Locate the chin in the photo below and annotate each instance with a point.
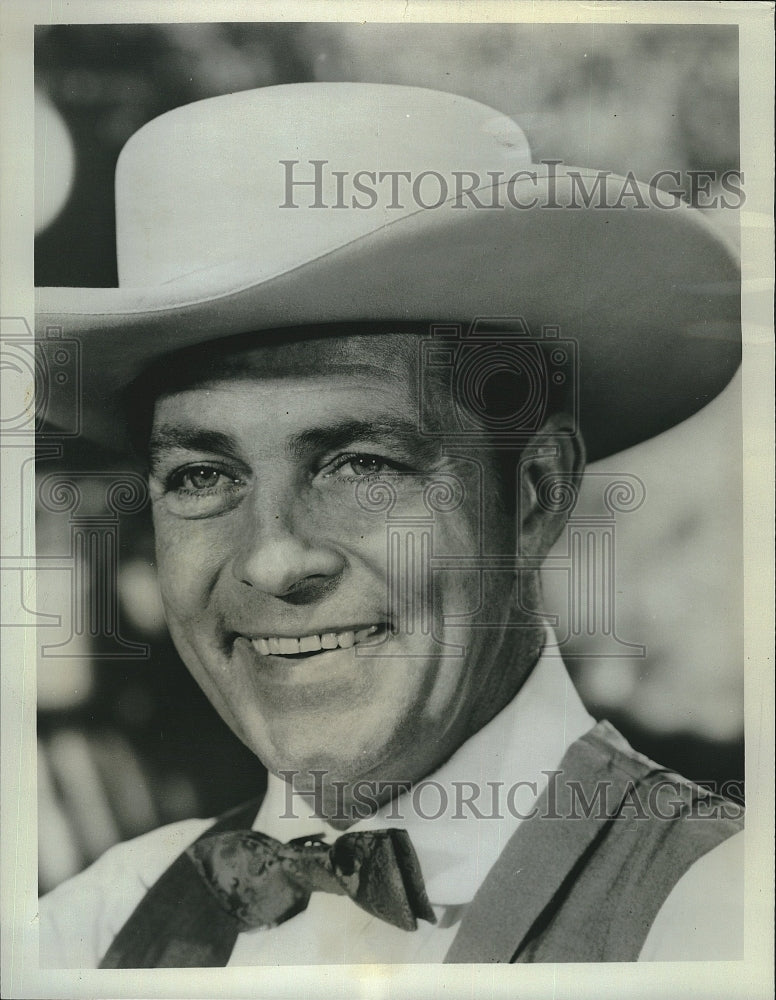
(346, 764)
(345, 760)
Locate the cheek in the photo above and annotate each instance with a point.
(189, 558)
(457, 537)
(368, 524)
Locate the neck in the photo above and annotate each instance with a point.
(519, 651)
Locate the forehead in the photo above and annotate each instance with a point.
(365, 373)
(299, 397)
(328, 360)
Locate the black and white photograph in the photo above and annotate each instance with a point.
(387, 525)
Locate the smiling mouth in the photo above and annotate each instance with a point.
(310, 645)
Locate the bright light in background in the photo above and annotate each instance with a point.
(140, 596)
(54, 162)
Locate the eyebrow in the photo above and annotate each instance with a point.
(329, 438)
(315, 439)
(168, 438)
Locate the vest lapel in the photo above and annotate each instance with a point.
(179, 923)
(540, 856)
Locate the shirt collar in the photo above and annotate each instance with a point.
(501, 770)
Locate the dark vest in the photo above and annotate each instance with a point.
(581, 880)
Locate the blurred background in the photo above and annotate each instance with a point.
(126, 740)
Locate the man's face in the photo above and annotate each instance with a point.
(283, 575)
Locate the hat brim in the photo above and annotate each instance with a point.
(650, 295)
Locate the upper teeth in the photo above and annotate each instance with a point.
(311, 643)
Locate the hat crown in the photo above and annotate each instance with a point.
(285, 174)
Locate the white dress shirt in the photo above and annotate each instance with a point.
(456, 849)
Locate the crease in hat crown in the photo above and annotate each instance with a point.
(206, 183)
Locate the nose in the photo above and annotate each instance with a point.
(278, 556)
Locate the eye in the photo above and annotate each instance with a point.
(201, 478)
(362, 466)
(201, 490)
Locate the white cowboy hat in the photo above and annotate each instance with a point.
(210, 245)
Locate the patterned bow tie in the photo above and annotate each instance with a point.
(263, 882)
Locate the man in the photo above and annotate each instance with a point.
(354, 476)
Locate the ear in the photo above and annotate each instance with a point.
(549, 474)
